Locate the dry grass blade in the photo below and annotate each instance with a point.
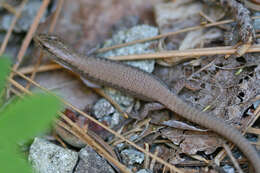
(10, 29)
(51, 29)
(232, 158)
(43, 68)
(8, 7)
(167, 34)
(56, 15)
(147, 158)
(19, 94)
(94, 136)
(211, 20)
(253, 130)
(187, 53)
(30, 33)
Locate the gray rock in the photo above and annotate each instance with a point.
(50, 158)
(29, 12)
(256, 22)
(102, 107)
(228, 169)
(113, 119)
(144, 171)
(131, 156)
(134, 33)
(90, 162)
(104, 111)
(122, 99)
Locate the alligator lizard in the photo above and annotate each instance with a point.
(141, 85)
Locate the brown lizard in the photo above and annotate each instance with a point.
(141, 85)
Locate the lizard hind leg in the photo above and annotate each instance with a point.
(146, 109)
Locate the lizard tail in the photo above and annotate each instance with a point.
(217, 125)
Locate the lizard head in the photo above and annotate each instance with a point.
(56, 48)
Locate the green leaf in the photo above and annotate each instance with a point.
(13, 162)
(20, 120)
(27, 117)
(4, 71)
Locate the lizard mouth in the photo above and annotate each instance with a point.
(45, 40)
(48, 44)
(37, 41)
(40, 43)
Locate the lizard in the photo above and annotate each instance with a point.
(140, 84)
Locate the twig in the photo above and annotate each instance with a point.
(168, 34)
(200, 163)
(16, 92)
(86, 138)
(147, 158)
(189, 53)
(153, 160)
(253, 130)
(8, 7)
(201, 69)
(29, 34)
(127, 135)
(59, 139)
(56, 15)
(51, 29)
(232, 158)
(10, 29)
(252, 5)
(43, 68)
(68, 130)
(211, 20)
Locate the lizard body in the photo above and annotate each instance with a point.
(141, 85)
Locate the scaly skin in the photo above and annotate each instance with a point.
(142, 85)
